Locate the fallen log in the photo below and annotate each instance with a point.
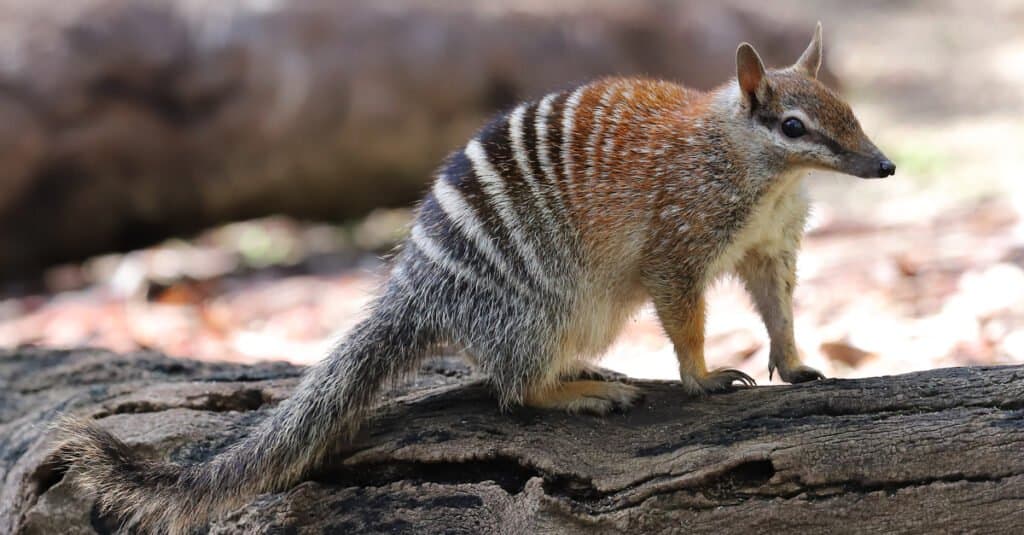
(936, 451)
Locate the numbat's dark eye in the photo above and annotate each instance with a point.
(793, 127)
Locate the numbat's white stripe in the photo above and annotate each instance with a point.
(436, 253)
(568, 124)
(494, 186)
(543, 150)
(462, 216)
(613, 127)
(515, 129)
(595, 134)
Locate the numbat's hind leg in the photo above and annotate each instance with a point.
(592, 372)
(597, 397)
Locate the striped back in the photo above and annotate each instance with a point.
(509, 209)
(496, 216)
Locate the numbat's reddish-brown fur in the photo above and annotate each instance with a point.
(536, 242)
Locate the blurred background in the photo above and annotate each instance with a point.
(221, 179)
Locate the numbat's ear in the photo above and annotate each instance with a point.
(750, 73)
(810, 60)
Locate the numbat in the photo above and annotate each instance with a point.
(537, 241)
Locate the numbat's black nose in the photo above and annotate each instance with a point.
(886, 168)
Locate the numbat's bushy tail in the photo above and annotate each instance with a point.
(325, 410)
(536, 243)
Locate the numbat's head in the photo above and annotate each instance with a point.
(792, 120)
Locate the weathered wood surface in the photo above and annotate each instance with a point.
(148, 119)
(939, 451)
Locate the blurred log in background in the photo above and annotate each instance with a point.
(126, 122)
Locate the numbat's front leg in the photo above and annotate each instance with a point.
(683, 320)
(770, 279)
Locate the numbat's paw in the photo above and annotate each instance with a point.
(722, 380)
(590, 372)
(800, 374)
(595, 397)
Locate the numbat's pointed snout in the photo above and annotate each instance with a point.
(886, 168)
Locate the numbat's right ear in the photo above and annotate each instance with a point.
(750, 73)
(810, 60)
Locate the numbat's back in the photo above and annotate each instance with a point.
(538, 239)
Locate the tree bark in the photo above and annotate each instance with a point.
(937, 451)
(123, 122)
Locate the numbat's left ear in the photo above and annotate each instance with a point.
(750, 74)
(810, 60)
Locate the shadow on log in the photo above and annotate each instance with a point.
(928, 452)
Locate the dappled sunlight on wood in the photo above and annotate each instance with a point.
(872, 300)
